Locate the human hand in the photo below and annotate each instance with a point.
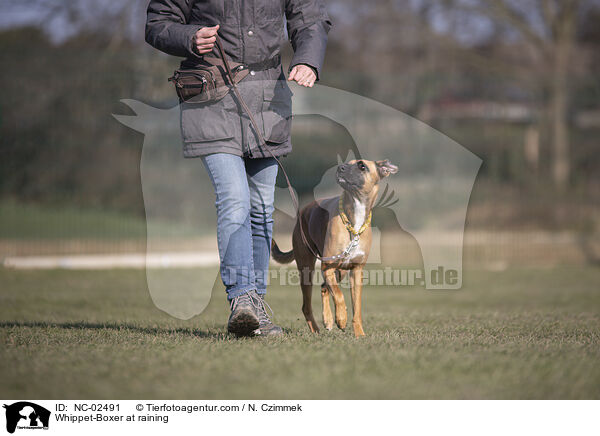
(204, 39)
(304, 75)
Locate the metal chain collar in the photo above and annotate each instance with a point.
(354, 242)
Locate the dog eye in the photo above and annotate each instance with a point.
(362, 166)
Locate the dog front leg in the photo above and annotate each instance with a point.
(356, 285)
(341, 316)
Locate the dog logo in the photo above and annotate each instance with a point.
(427, 198)
(26, 415)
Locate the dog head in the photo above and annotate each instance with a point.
(361, 177)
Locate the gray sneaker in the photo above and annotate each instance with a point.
(244, 319)
(266, 326)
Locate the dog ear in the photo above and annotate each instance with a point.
(385, 168)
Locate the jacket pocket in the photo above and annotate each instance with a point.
(269, 10)
(206, 122)
(277, 113)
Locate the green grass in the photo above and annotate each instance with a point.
(38, 223)
(28, 221)
(523, 334)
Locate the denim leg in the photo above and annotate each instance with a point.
(228, 175)
(262, 174)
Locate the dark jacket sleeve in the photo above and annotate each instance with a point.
(167, 28)
(308, 25)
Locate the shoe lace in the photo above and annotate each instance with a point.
(261, 307)
(242, 298)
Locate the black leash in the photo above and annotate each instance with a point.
(263, 144)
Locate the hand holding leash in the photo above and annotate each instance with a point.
(204, 39)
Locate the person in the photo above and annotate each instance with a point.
(242, 172)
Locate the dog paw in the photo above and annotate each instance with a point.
(313, 327)
(341, 322)
(358, 331)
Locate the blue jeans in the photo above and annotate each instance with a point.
(244, 190)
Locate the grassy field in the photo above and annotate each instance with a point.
(34, 230)
(42, 223)
(523, 333)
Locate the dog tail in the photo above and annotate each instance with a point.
(280, 256)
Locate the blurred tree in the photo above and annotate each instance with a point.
(389, 51)
(64, 76)
(549, 28)
(58, 140)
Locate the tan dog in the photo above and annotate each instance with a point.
(330, 227)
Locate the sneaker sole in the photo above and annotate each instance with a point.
(271, 333)
(243, 324)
